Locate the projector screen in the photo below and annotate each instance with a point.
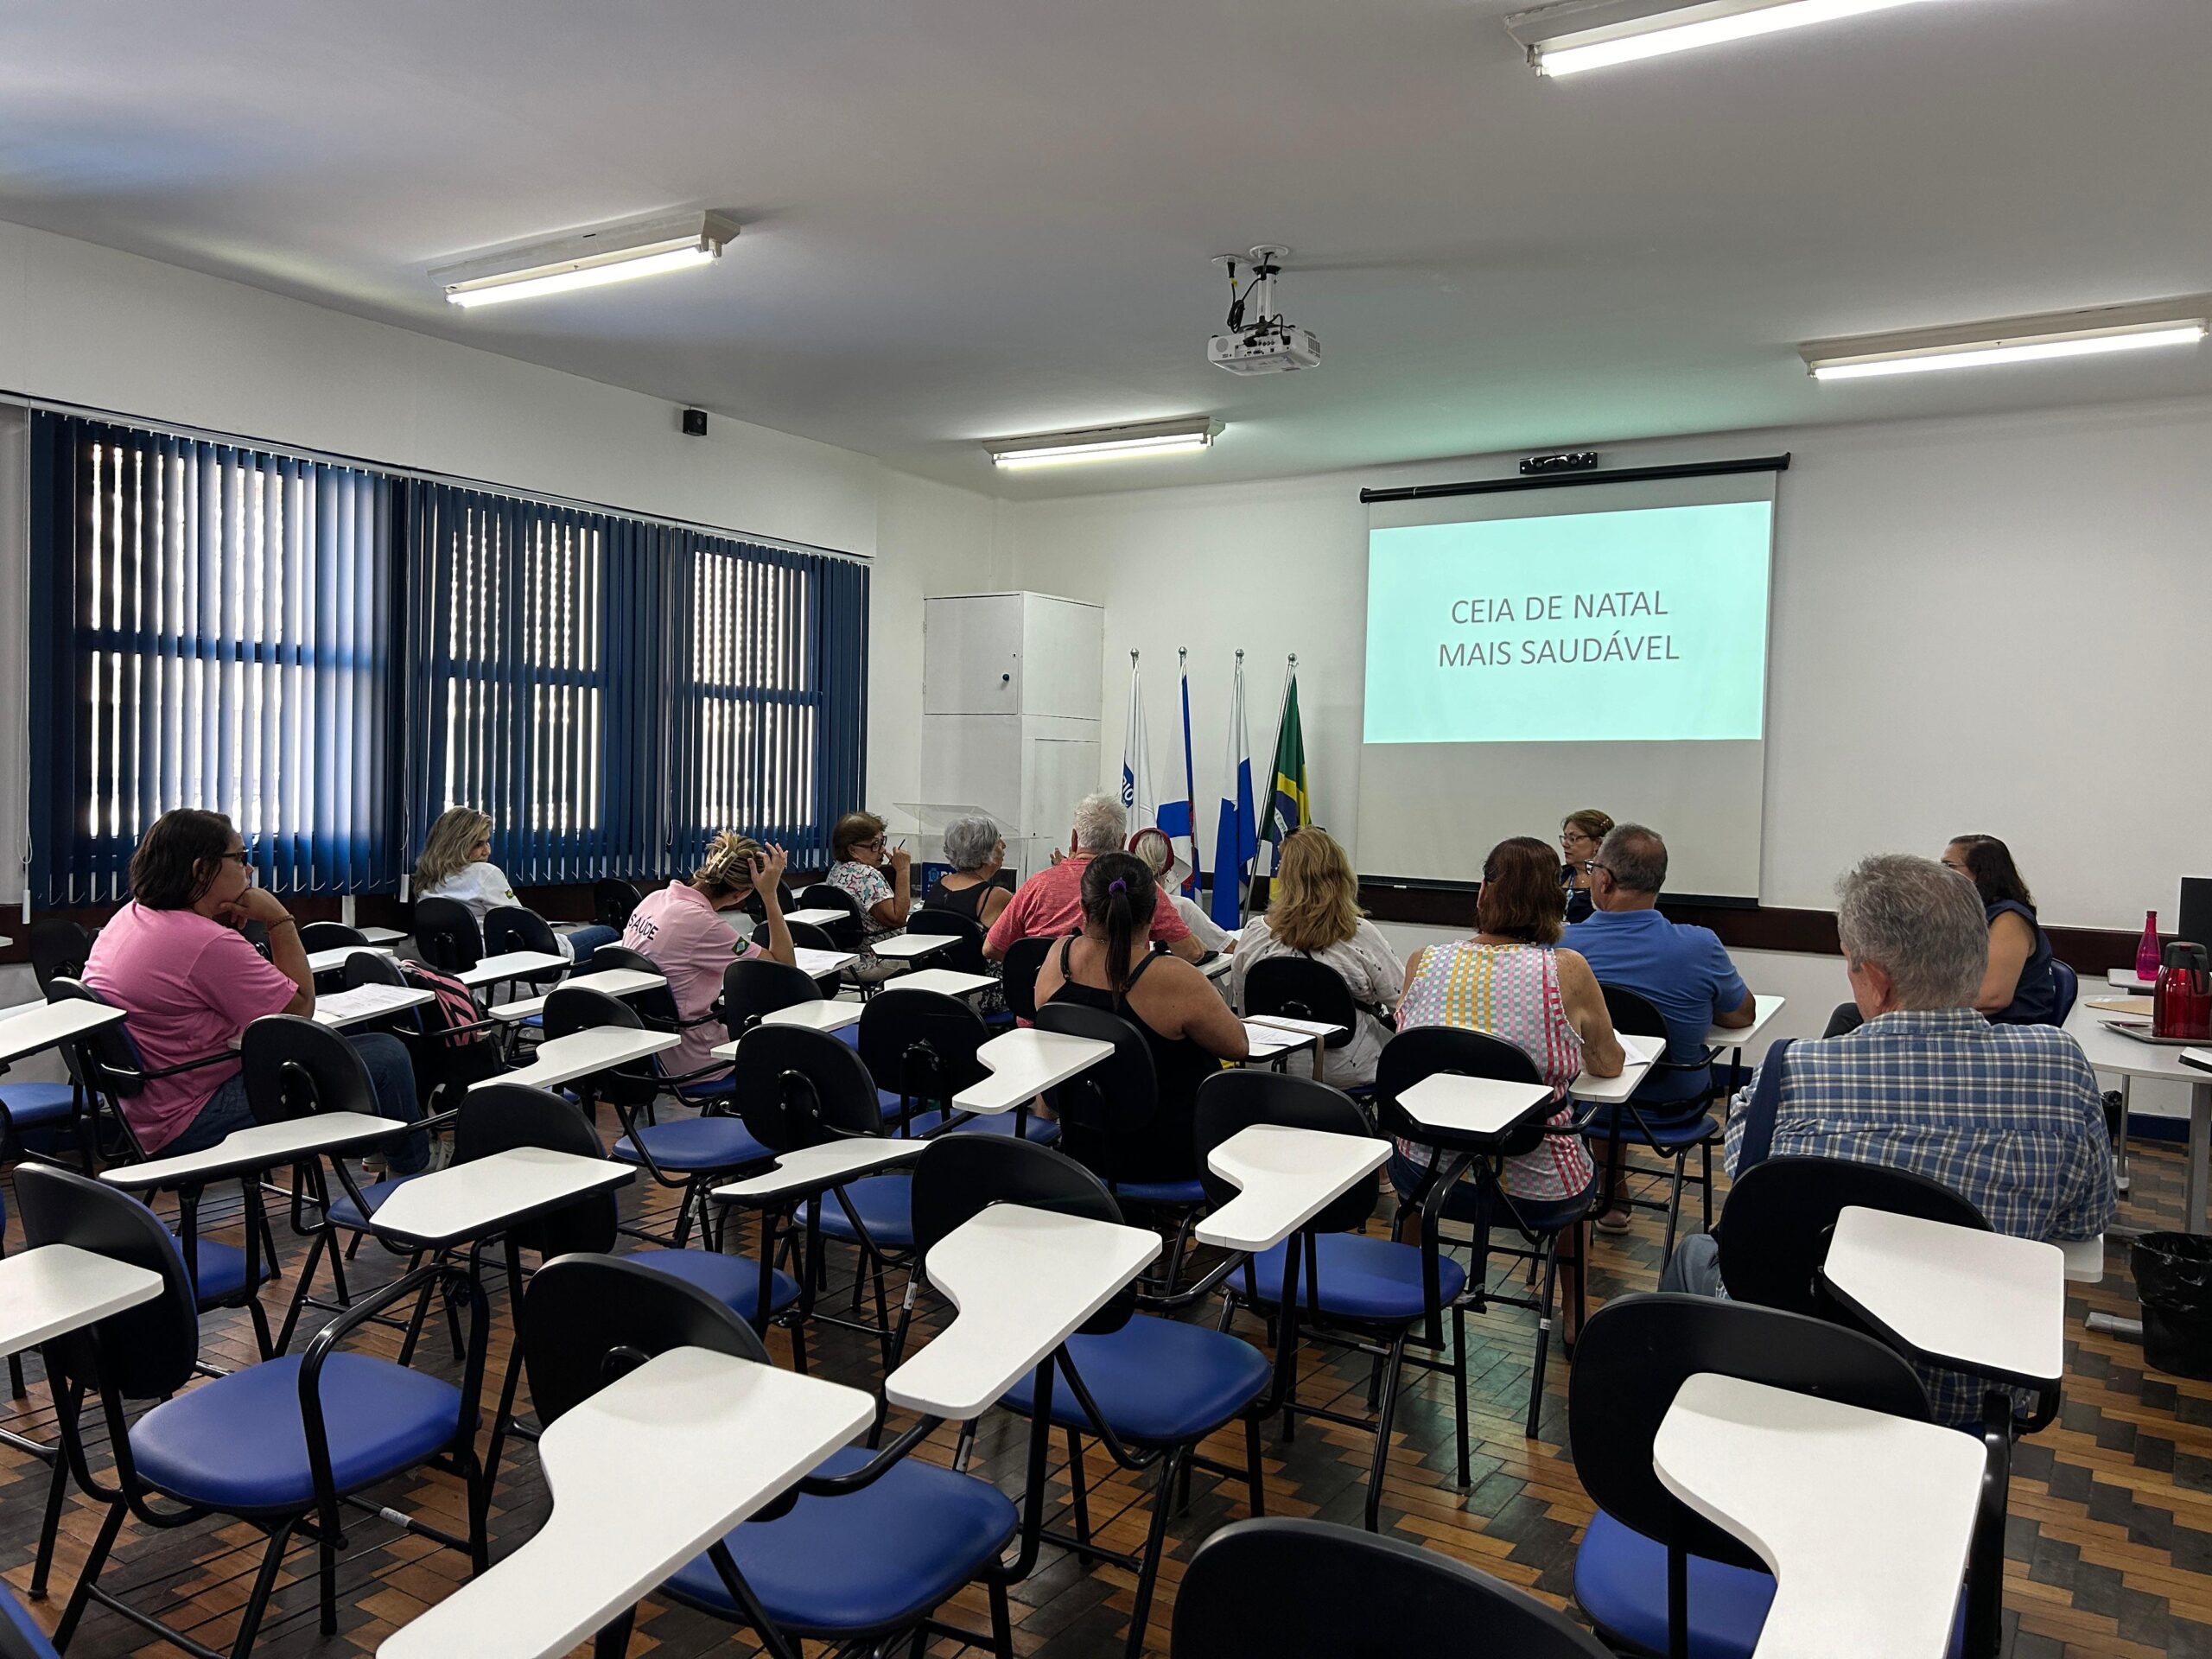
(1532, 654)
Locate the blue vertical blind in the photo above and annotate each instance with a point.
(210, 629)
(334, 657)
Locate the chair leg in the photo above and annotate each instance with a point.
(79, 1598)
(1002, 1622)
(264, 1585)
(965, 1445)
(1078, 1487)
(614, 1638)
(1382, 1459)
(57, 1487)
(1543, 1337)
(1459, 1393)
(327, 1573)
(1674, 1207)
(1155, 1543)
(16, 1386)
(1256, 1475)
(1705, 1186)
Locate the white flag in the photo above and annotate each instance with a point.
(1137, 797)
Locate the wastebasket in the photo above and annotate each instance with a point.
(2173, 1278)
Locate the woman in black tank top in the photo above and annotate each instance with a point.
(976, 852)
(1187, 1028)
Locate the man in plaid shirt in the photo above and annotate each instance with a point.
(2008, 1117)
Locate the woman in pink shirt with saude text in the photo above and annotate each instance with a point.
(175, 960)
(680, 929)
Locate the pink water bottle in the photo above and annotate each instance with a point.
(2147, 956)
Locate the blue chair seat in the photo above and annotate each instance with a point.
(885, 1204)
(222, 1270)
(1158, 1381)
(692, 1143)
(1361, 1278)
(704, 1088)
(1620, 1581)
(1688, 1125)
(237, 1443)
(733, 1281)
(1044, 1131)
(36, 1105)
(346, 1213)
(873, 1559)
(850, 1036)
(1162, 1192)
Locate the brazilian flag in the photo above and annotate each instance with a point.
(1288, 806)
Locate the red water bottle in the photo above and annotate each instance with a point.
(2181, 1004)
(2146, 954)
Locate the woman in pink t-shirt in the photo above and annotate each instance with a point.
(175, 960)
(680, 929)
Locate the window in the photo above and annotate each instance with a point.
(210, 629)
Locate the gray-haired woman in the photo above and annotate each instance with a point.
(976, 852)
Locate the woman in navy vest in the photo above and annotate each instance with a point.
(2019, 988)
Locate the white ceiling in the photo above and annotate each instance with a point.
(970, 219)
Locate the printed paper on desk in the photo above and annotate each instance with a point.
(364, 1002)
(1642, 1049)
(818, 963)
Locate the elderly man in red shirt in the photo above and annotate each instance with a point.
(1050, 903)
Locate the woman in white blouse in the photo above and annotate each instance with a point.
(1314, 911)
(456, 864)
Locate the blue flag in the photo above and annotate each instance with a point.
(1236, 833)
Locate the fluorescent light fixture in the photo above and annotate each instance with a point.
(1564, 40)
(2014, 340)
(1105, 444)
(590, 260)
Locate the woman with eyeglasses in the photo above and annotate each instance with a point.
(860, 844)
(176, 962)
(1579, 834)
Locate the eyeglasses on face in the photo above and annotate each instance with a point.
(238, 858)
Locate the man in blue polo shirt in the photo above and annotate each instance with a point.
(1683, 972)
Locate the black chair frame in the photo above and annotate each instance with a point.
(1630, 1126)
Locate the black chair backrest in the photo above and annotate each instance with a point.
(847, 933)
(593, 1318)
(1638, 1015)
(1302, 989)
(1105, 1111)
(1025, 960)
(962, 1175)
(657, 1007)
(104, 1060)
(143, 1353)
(799, 1088)
(786, 901)
(1260, 1590)
(501, 1116)
(295, 1067)
(447, 935)
(759, 986)
(372, 968)
(58, 950)
(922, 1043)
(965, 958)
(1780, 1214)
(2067, 985)
(1231, 1101)
(612, 901)
(331, 936)
(1423, 1051)
(1634, 1354)
(511, 927)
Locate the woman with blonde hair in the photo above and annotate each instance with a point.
(456, 864)
(1314, 911)
(680, 929)
(1158, 853)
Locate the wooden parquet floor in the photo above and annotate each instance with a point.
(2109, 1551)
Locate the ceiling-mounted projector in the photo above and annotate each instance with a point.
(1266, 345)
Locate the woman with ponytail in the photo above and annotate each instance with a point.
(1111, 966)
(681, 930)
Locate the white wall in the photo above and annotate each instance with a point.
(86, 325)
(1997, 626)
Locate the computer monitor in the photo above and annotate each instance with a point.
(2193, 920)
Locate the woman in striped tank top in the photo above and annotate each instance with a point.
(1512, 981)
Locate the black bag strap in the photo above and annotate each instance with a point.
(1758, 1114)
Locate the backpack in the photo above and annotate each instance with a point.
(453, 1007)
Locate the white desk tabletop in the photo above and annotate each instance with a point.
(1024, 1063)
(1472, 1106)
(2085, 1258)
(330, 961)
(815, 1168)
(643, 1476)
(1613, 1090)
(381, 935)
(1763, 1009)
(2123, 1057)
(1022, 1280)
(904, 947)
(614, 982)
(39, 1026)
(512, 964)
(822, 1015)
(1984, 1301)
(945, 981)
(2126, 979)
(263, 1146)
(560, 1060)
(1285, 1177)
(817, 918)
(1865, 1519)
(472, 1200)
(55, 1288)
(1220, 965)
